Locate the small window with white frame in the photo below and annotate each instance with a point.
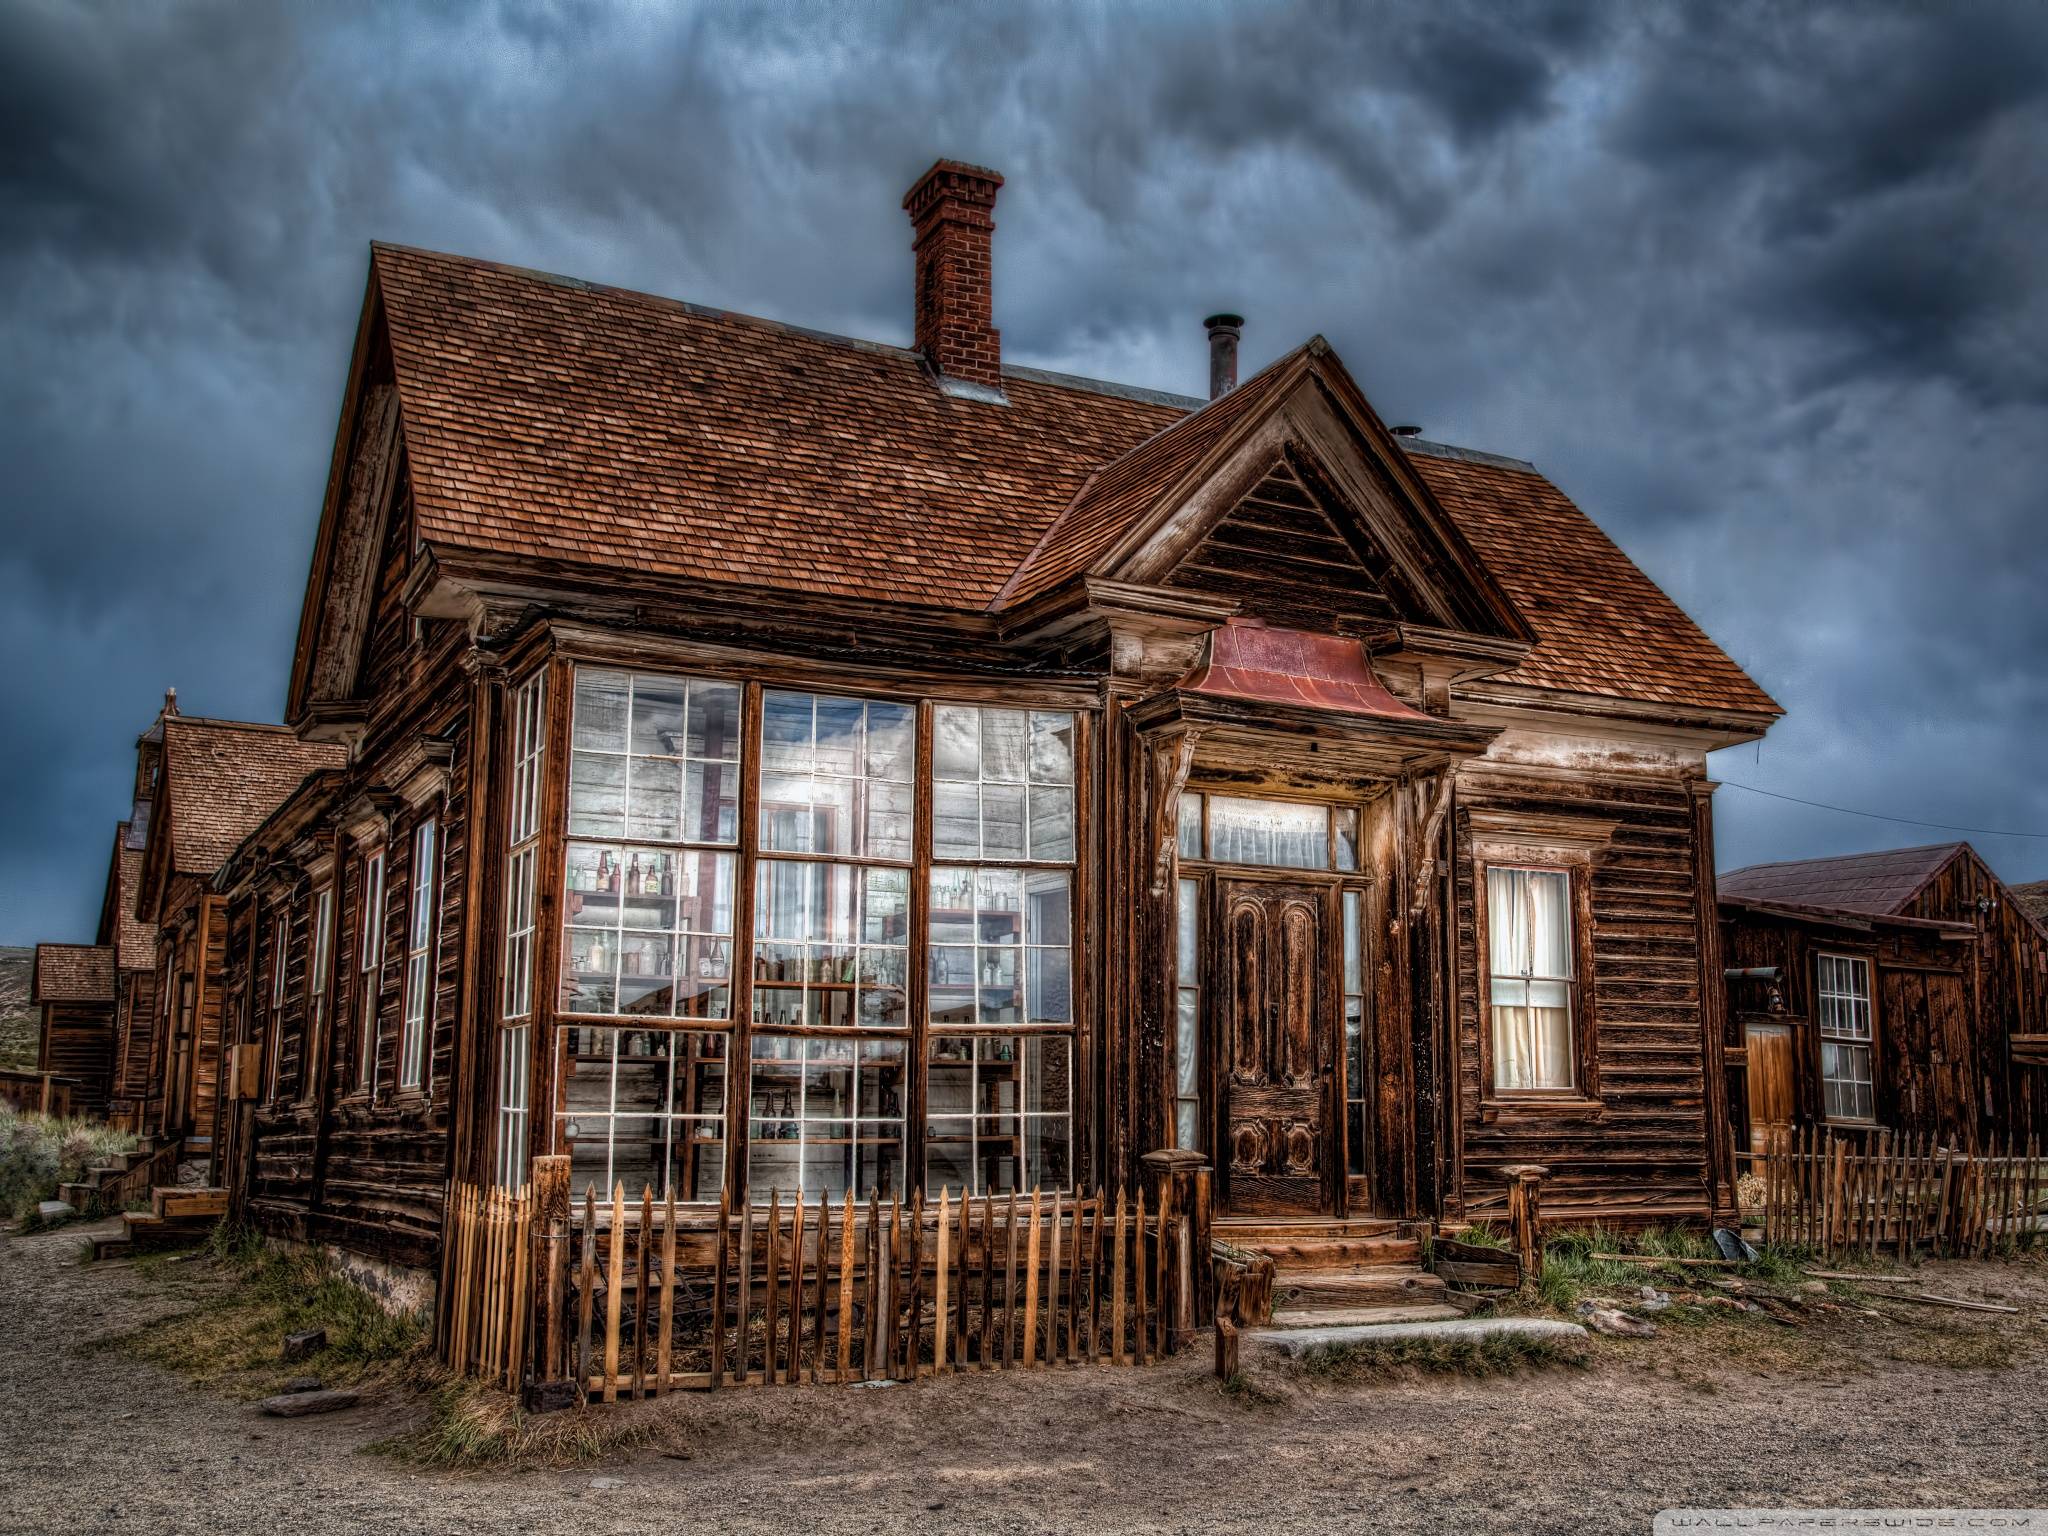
(369, 973)
(280, 955)
(419, 957)
(317, 976)
(1842, 1003)
(1531, 979)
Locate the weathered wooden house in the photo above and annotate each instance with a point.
(782, 762)
(211, 782)
(73, 986)
(134, 945)
(1905, 991)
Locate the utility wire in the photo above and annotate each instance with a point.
(1907, 821)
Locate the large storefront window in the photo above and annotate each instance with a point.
(831, 944)
(773, 960)
(999, 969)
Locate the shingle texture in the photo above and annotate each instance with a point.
(1881, 884)
(223, 777)
(134, 941)
(2033, 897)
(550, 418)
(74, 973)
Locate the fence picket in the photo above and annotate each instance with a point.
(846, 1239)
(793, 1366)
(941, 1276)
(1052, 1289)
(721, 1255)
(1031, 1258)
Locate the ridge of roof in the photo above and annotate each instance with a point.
(1430, 448)
(1842, 858)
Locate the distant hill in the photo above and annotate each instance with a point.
(20, 1028)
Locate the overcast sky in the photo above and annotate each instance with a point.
(1759, 286)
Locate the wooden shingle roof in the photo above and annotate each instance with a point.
(1881, 884)
(223, 777)
(134, 941)
(555, 419)
(73, 973)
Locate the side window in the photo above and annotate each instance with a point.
(1847, 1036)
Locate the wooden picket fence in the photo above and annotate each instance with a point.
(487, 1283)
(1893, 1195)
(646, 1301)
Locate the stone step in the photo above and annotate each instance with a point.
(78, 1195)
(1295, 1342)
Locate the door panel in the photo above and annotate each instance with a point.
(1277, 1096)
(1770, 1082)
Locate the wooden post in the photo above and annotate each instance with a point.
(666, 1353)
(846, 1239)
(551, 1265)
(614, 1287)
(1052, 1288)
(1116, 1284)
(824, 1246)
(1525, 1216)
(1031, 1258)
(640, 1259)
(773, 1315)
(587, 1296)
(721, 1253)
(793, 1364)
(1010, 1281)
(941, 1279)
(744, 1345)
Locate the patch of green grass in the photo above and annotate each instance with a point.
(233, 1341)
(1489, 1355)
(1483, 1234)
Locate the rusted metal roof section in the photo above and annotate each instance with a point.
(1883, 884)
(73, 973)
(1250, 660)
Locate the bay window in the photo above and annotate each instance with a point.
(791, 931)
(522, 873)
(1842, 996)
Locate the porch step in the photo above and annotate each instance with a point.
(1360, 1317)
(1250, 1231)
(184, 1202)
(1356, 1286)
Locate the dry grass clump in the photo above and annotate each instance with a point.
(474, 1428)
(38, 1153)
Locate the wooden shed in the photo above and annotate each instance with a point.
(1905, 990)
(772, 764)
(73, 985)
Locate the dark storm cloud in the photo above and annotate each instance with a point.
(1758, 284)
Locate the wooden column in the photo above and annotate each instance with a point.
(470, 1061)
(1720, 1147)
(1180, 1181)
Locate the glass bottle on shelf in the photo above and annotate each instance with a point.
(650, 883)
(633, 877)
(668, 881)
(599, 959)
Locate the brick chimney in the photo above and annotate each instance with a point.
(952, 208)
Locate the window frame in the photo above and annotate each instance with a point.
(416, 1020)
(526, 841)
(1554, 842)
(369, 971)
(280, 965)
(1822, 1038)
(322, 916)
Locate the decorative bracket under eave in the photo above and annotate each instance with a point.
(1172, 761)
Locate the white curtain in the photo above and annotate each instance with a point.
(1528, 923)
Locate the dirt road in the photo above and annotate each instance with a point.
(91, 1441)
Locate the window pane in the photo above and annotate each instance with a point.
(658, 715)
(999, 1112)
(825, 1115)
(597, 795)
(714, 721)
(1531, 1048)
(956, 743)
(891, 742)
(1190, 827)
(600, 710)
(1052, 747)
(1273, 833)
(1528, 922)
(1187, 940)
(1346, 827)
(956, 821)
(655, 803)
(1005, 738)
(1052, 823)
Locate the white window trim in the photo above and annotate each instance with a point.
(1825, 1036)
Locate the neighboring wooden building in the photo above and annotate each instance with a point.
(213, 783)
(776, 761)
(74, 988)
(1905, 990)
(133, 943)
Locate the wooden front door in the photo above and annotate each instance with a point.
(1276, 1068)
(1771, 1098)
